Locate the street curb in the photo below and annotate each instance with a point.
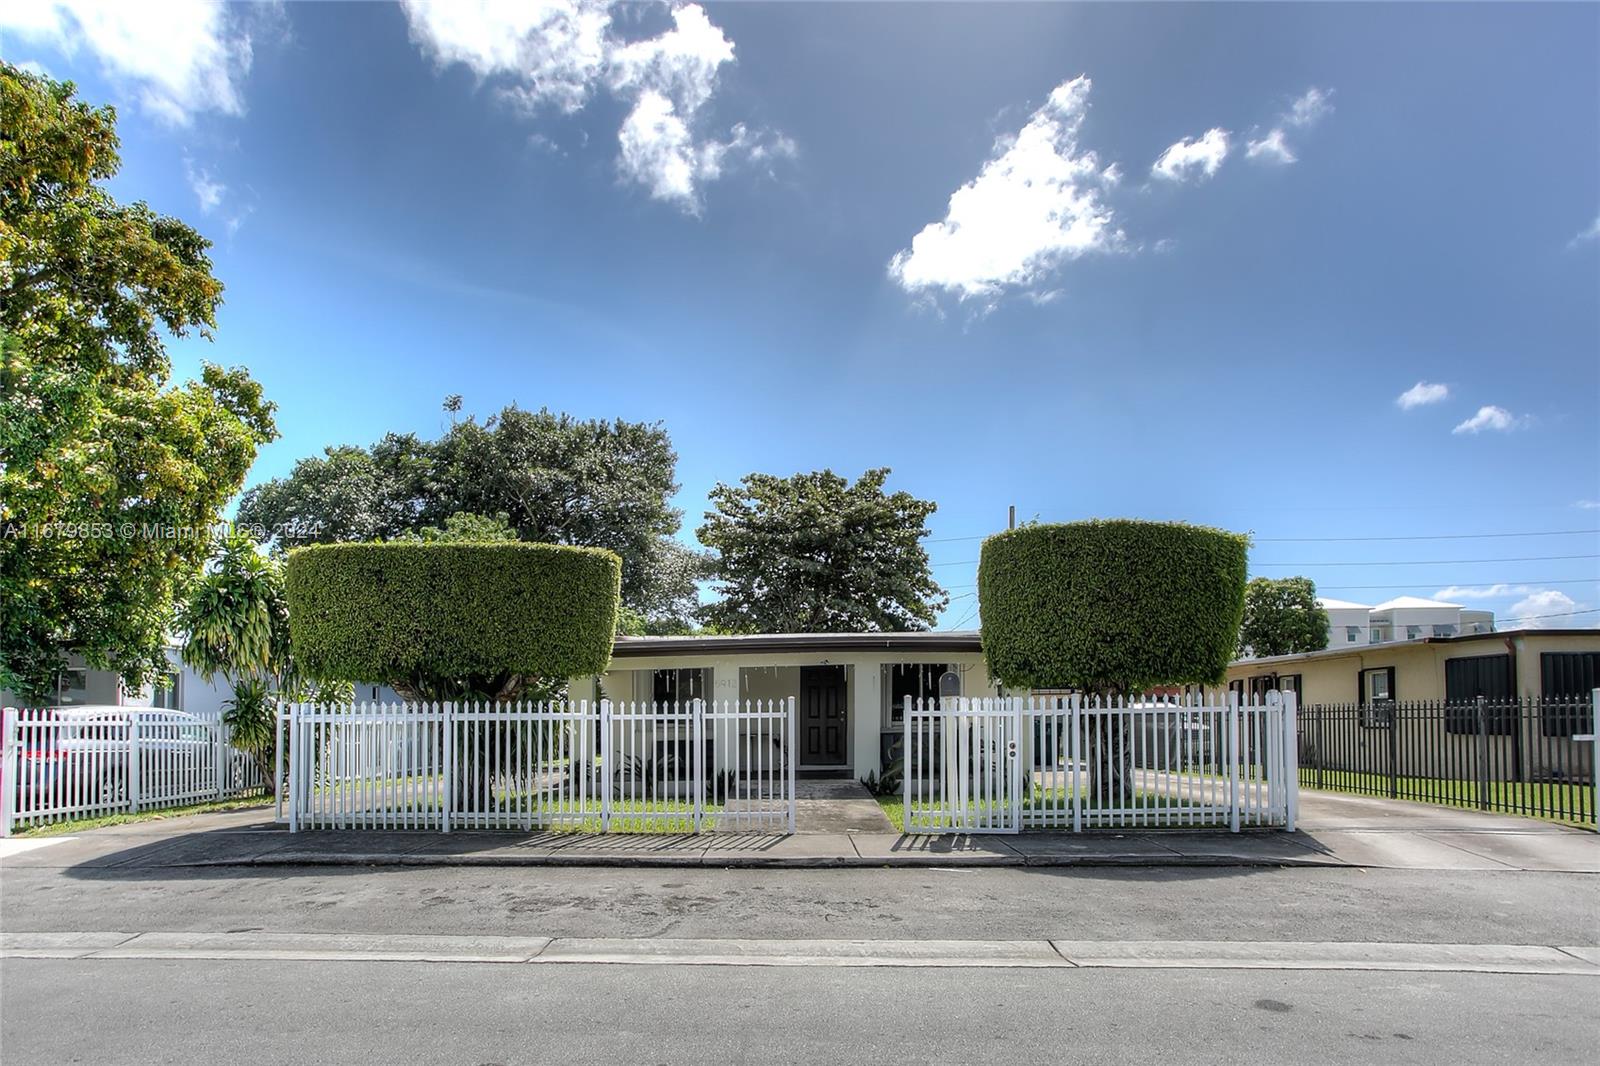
(753, 862)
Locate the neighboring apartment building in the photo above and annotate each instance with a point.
(1353, 625)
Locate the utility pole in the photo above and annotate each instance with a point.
(1011, 520)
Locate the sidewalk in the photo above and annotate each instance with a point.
(1337, 831)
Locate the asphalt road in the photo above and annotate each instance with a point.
(277, 1012)
(221, 1010)
(1220, 903)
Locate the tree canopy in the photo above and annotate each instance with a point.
(110, 479)
(556, 479)
(814, 553)
(1282, 617)
(453, 620)
(1111, 606)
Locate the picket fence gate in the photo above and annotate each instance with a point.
(1004, 764)
(65, 763)
(599, 766)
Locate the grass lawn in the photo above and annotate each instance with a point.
(1553, 802)
(83, 825)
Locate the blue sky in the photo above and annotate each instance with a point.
(1176, 262)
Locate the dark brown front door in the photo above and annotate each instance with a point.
(822, 716)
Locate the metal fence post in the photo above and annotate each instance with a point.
(9, 765)
(1594, 758)
(1483, 755)
(449, 766)
(1291, 758)
(291, 731)
(697, 728)
(1233, 761)
(1075, 754)
(605, 766)
(133, 761)
(793, 759)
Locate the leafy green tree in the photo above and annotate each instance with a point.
(464, 528)
(557, 480)
(109, 477)
(236, 624)
(1282, 617)
(813, 553)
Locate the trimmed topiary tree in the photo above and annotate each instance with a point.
(1111, 608)
(453, 621)
(456, 621)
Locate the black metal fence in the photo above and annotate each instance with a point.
(1513, 756)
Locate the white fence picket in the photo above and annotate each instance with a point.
(67, 763)
(610, 766)
(1193, 761)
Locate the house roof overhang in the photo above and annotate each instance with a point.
(961, 640)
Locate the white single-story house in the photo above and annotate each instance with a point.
(183, 689)
(849, 688)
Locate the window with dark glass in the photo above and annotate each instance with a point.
(1567, 680)
(917, 681)
(678, 686)
(1466, 678)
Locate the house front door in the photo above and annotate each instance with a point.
(822, 716)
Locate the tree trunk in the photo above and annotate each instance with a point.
(1110, 758)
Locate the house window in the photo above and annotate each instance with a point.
(1379, 635)
(1566, 678)
(1444, 631)
(1289, 683)
(919, 681)
(678, 686)
(1377, 697)
(1352, 634)
(72, 686)
(165, 692)
(1468, 677)
(1413, 632)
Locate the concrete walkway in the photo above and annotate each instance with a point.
(833, 805)
(1336, 830)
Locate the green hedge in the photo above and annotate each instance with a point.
(1111, 604)
(412, 612)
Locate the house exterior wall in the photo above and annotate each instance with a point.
(776, 675)
(1420, 745)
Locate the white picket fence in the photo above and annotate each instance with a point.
(1000, 765)
(604, 766)
(64, 763)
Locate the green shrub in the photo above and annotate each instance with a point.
(452, 619)
(1111, 605)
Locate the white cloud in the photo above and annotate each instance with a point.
(1270, 149)
(559, 53)
(1591, 233)
(182, 57)
(206, 190)
(1034, 205)
(1480, 592)
(1587, 505)
(1534, 610)
(1422, 394)
(1309, 107)
(1490, 417)
(1200, 157)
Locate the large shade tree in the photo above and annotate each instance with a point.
(1282, 617)
(110, 477)
(813, 553)
(557, 480)
(1111, 608)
